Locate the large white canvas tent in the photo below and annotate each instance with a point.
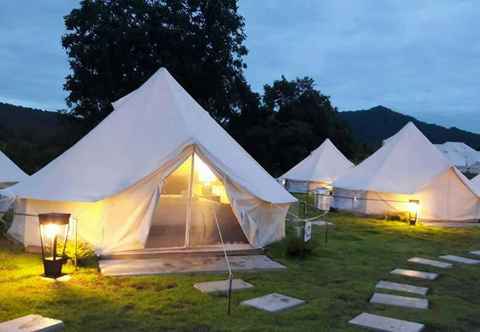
(158, 172)
(9, 172)
(408, 167)
(465, 158)
(324, 164)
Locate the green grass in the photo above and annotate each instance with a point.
(336, 281)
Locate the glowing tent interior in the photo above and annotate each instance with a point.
(157, 172)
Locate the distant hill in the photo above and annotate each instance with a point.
(372, 126)
(32, 137)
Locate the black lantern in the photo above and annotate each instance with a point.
(54, 229)
(413, 207)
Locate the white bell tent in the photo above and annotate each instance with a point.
(408, 167)
(324, 164)
(462, 156)
(9, 172)
(158, 172)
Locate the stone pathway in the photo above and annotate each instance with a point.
(221, 287)
(399, 301)
(430, 262)
(406, 288)
(382, 323)
(32, 323)
(415, 274)
(459, 259)
(273, 302)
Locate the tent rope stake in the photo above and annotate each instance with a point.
(230, 273)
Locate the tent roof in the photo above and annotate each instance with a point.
(404, 164)
(148, 127)
(9, 172)
(459, 154)
(324, 164)
(476, 183)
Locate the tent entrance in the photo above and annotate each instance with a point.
(193, 200)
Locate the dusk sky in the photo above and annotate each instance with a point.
(420, 58)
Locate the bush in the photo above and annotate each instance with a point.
(5, 221)
(296, 246)
(85, 253)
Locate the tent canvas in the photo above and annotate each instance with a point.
(324, 164)
(460, 155)
(9, 172)
(114, 178)
(476, 183)
(408, 167)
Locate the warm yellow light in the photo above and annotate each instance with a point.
(205, 174)
(413, 207)
(50, 230)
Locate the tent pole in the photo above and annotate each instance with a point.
(189, 205)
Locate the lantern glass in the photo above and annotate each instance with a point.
(54, 229)
(413, 209)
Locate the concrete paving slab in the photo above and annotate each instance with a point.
(322, 223)
(187, 264)
(221, 287)
(399, 301)
(415, 274)
(387, 324)
(32, 323)
(477, 252)
(430, 262)
(459, 259)
(402, 287)
(273, 302)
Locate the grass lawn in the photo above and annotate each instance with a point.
(336, 281)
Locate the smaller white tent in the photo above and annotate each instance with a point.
(408, 167)
(324, 164)
(461, 155)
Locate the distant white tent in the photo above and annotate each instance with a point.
(462, 156)
(157, 172)
(476, 183)
(9, 172)
(408, 167)
(324, 164)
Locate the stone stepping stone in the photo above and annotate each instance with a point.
(430, 262)
(387, 324)
(221, 287)
(459, 259)
(399, 301)
(402, 287)
(32, 323)
(477, 252)
(273, 302)
(415, 274)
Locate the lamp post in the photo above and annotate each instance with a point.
(413, 207)
(54, 227)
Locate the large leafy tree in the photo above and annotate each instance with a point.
(115, 45)
(292, 120)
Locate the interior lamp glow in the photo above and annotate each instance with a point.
(54, 227)
(413, 209)
(205, 174)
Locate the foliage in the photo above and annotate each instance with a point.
(292, 119)
(84, 252)
(114, 46)
(5, 221)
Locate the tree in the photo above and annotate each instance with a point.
(292, 120)
(115, 45)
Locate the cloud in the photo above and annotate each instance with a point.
(418, 57)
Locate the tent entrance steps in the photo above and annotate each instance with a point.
(216, 250)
